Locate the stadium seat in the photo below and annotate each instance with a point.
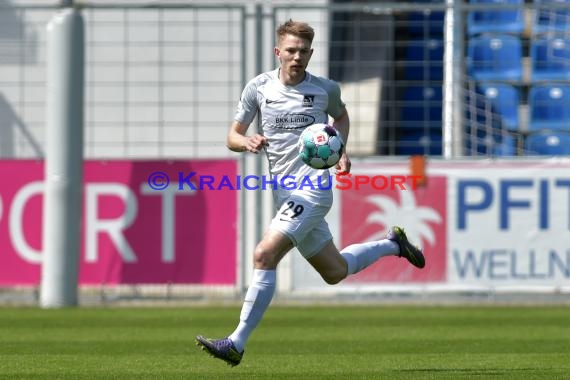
(548, 143)
(421, 107)
(503, 102)
(505, 146)
(494, 142)
(495, 21)
(494, 57)
(550, 57)
(426, 23)
(551, 19)
(549, 107)
(424, 60)
(417, 141)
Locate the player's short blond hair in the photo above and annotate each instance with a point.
(297, 29)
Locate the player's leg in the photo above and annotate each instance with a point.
(328, 262)
(269, 251)
(334, 266)
(292, 222)
(267, 255)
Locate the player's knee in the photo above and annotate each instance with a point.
(334, 277)
(263, 258)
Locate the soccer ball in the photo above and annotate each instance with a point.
(320, 146)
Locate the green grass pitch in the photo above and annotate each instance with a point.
(297, 342)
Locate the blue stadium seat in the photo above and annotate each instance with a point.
(493, 21)
(549, 107)
(427, 23)
(548, 143)
(489, 143)
(503, 100)
(424, 60)
(421, 107)
(551, 19)
(417, 141)
(494, 57)
(505, 146)
(550, 57)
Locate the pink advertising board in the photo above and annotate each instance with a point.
(151, 222)
(370, 209)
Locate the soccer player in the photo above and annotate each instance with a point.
(288, 99)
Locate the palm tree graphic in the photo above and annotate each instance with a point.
(407, 214)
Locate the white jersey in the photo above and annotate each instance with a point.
(285, 111)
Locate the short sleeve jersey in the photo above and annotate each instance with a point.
(285, 111)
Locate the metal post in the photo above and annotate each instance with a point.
(259, 158)
(242, 287)
(453, 81)
(64, 159)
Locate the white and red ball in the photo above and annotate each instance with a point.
(320, 146)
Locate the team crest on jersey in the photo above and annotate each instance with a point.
(308, 100)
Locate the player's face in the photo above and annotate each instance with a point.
(294, 54)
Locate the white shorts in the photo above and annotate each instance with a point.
(302, 219)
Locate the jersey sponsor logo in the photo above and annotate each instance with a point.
(293, 121)
(308, 100)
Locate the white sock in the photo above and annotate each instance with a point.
(257, 299)
(360, 256)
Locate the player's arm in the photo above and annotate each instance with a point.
(342, 124)
(237, 140)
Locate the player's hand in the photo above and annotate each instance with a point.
(256, 143)
(343, 165)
